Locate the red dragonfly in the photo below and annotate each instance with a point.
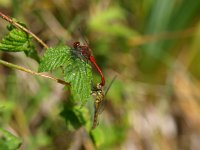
(87, 53)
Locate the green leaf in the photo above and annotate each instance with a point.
(54, 58)
(73, 115)
(79, 74)
(32, 53)
(8, 141)
(114, 134)
(18, 41)
(15, 41)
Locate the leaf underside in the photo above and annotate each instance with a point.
(15, 41)
(19, 41)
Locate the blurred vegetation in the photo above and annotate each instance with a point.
(152, 46)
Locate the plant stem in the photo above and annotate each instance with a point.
(16, 24)
(33, 72)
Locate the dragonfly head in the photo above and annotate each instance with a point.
(98, 92)
(76, 45)
(99, 86)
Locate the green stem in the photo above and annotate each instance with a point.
(32, 72)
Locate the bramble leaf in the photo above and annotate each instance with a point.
(73, 115)
(9, 141)
(54, 57)
(18, 41)
(77, 72)
(15, 41)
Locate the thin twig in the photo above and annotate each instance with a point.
(33, 72)
(16, 24)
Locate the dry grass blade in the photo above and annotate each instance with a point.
(188, 96)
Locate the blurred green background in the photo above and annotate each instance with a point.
(151, 45)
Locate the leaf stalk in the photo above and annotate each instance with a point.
(11, 65)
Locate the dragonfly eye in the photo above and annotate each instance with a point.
(76, 44)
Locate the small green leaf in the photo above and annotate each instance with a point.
(18, 41)
(8, 141)
(54, 58)
(32, 53)
(15, 41)
(79, 74)
(73, 115)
